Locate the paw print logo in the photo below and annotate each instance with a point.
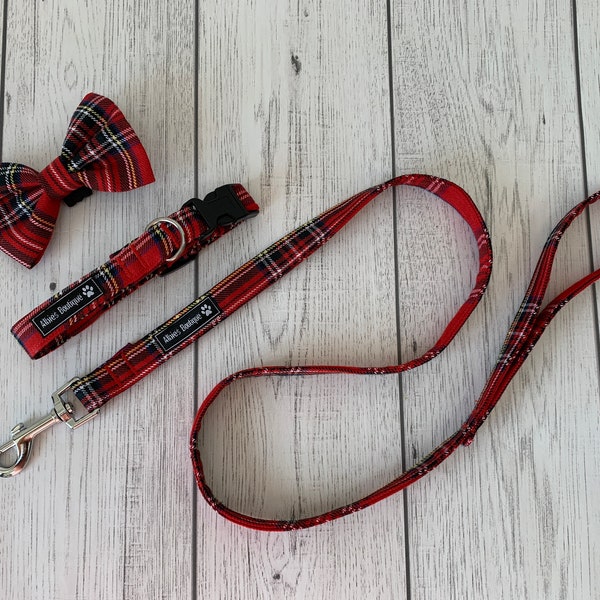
(87, 290)
(206, 310)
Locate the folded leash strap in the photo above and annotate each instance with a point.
(135, 361)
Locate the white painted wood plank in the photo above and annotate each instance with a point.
(588, 17)
(98, 513)
(486, 95)
(588, 48)
(294, 103)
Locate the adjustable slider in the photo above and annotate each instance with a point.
(222, 207)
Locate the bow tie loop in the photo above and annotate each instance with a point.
(101, 152)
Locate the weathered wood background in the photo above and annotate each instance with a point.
(306, 103)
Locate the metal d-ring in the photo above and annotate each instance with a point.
(179, 231)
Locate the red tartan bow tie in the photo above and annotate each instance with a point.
(100, 152)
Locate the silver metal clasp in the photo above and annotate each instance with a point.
(22, 435)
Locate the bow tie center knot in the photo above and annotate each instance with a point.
(59, 184)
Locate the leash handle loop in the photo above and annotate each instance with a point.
(528, 325)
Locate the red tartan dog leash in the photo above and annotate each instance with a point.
(135, 361)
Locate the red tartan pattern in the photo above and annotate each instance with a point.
(101, 152)
(137, 360)
(529, 323)
(125, 271)
(527, 327)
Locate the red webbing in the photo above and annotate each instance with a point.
(528, 325)
(45, 328)
(136, 360)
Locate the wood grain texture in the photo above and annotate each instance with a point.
(489, 97)
(588, 47)
(302, 118)
(77, 523)
(305, 104)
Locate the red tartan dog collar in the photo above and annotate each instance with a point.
(134, 361)
(167, 244)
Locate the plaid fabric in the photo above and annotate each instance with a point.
(529, 323)
(135, 361)
(528, 326)
(101, 152)
(126, 270)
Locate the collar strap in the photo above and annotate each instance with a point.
(167, 244)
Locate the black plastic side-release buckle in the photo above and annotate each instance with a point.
(220, 208)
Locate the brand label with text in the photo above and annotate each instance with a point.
(67, 306)
(188, 324)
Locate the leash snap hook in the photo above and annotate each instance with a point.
(22, 435)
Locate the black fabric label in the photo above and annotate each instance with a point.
(205, 311)
(67, 306)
